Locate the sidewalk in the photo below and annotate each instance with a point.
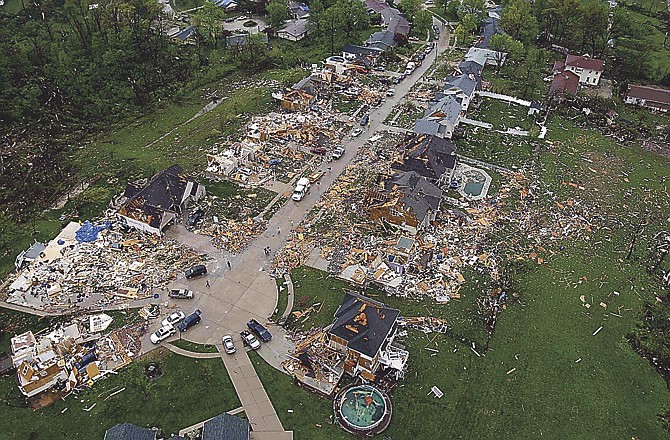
(255, 401)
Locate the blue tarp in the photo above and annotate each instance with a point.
(89, 232)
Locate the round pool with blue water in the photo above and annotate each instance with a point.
(363, 410)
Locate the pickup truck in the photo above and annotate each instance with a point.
(249, 339)
(301, 189)
(181, 294)
(259, 330)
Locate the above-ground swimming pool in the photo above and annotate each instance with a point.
(363, 409)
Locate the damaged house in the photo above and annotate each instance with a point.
(441, 119)
(430, 156)
(364, 330)
(409, 201)
(152, 207)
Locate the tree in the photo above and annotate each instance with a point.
(353, 16)
(561, 21)
(423, 20)
(330, 25)
(506, 45)
(410, 7)
(518, 21)
(278, 13)
(530, 71)
(208, 21)
(316, 9)
(595, 22)
(472, 7)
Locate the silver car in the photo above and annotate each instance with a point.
(228, 345)
(173, 319)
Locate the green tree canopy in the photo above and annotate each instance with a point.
(278, 13)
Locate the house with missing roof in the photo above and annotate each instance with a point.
(564, 83)
(586, 68)
(364, 330)
(154, 206)
(409, 201)
(441, 119)
(651, 97)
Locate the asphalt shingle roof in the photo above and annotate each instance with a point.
(128, 431)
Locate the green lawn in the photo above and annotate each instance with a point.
(12, 6)
(189, 391)
(503, 115)
(194, 347)
(282, 301)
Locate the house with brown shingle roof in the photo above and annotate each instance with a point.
(588, 69)
(651, 97)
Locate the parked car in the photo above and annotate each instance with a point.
(397, 80)
(228, 345)
(379, 69)
(249, 339)
(422, 56)
(190, 321)
(338, 152)
(162, 333)
(301, 189)
(173, 318)
(364, 120)
(356, 132)
(195, 271)
(195, 217)
(181, 294)
(318, 150)
(259, 330)
(390, 92)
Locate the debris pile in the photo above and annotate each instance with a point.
(71, 357)
(116, 267)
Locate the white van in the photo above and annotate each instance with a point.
(301, 189)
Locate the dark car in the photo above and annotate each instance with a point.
(364, 120)
(195, 217)
(259, 330)
(195, 271)
(397, 80)
(190, 321)
(318, 150)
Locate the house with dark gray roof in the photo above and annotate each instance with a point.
(152, 207)
(128, 431)
(361, 330)
(462, 87)
(429, 156)
(226, 427)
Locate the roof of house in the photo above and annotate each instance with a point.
(585, 62)
(241, 39)
(481, 55)
(376, 5)
(164, 192)
(429, 156)
(445, 109)
(381, 40)
(295, 28)
(564, 82)
(649, 93)
(470, 67)
(360, 50)
(490, 27)
(398, 24)
(363, 323)
(225, 427)
(128, 431)
(185, 33)
(299, 9)
(559, 66)
(460, 82)
(306, 85)
(426, 126)
(419, 194)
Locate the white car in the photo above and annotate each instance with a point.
(228, 345)
(162, 333)
(249, 339)
(173, 319)
(357, 132)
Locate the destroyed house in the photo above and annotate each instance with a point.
(128, 431)
(363, 330)
(297, 100)
(429, 156)
(409, 201)
(152, 207)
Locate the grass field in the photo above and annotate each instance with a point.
(194, 347)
